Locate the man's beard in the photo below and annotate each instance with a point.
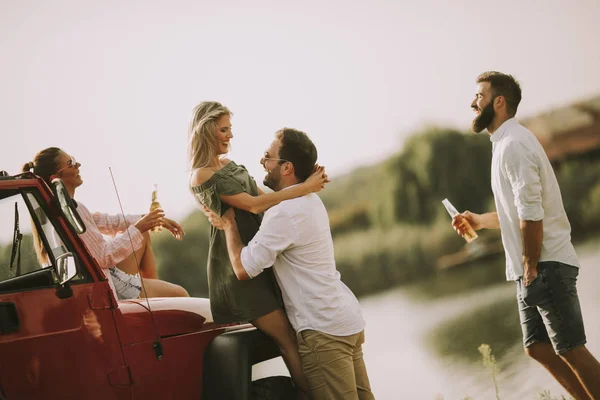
(485, 118)
(272, 179)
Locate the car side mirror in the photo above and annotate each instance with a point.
(65, 268)
(66, 205)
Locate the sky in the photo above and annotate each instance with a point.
(114, 82)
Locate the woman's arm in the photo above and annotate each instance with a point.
(113, 224)
(110, 252)
(264, 201)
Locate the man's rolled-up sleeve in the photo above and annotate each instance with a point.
(524, 175)
(276, 234)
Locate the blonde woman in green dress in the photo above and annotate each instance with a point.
(218, 184)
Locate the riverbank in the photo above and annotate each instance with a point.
(430, 331)
(422, 338)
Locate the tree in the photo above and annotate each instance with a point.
(436, 164)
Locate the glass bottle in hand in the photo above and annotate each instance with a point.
(154, 205)
(470, 233)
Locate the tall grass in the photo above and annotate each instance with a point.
(489, 362)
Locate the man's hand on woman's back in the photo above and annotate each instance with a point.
(217, 221)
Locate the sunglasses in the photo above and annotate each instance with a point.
(266, 158)
(72, 163)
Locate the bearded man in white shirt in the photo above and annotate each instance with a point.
(295, 239)
(536, 235)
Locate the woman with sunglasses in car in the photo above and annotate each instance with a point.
(115, 256)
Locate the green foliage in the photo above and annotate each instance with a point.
(375, 259)
(387, 220)
(579, 180)
(388, 224)
(358, 186)
(436, 164)
(407, 188)
(184, 262)
(352, 200)
(349, 218)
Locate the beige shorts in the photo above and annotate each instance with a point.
(334, 365)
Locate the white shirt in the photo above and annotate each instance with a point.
(525, 188)
(295, 238)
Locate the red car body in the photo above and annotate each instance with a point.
(76, 341)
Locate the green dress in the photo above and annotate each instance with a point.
(233, 300)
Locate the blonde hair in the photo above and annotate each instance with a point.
(202, 140)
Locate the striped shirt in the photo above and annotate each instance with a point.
(109, 252)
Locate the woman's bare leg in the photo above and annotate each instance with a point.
(158, 288)
(277, 326)
(147, 269)
(145, 257)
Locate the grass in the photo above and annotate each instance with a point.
(489, 362)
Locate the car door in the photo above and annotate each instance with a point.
(56, 341)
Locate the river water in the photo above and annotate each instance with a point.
(422, 339)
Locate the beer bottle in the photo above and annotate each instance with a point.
(154, 205)
(470, 234)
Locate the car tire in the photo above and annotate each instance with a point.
(273, 388)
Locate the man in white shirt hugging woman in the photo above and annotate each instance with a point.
(295, 239)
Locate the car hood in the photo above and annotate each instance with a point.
(170, 315)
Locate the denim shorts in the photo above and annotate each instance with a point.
(549, 308)
(127, 286)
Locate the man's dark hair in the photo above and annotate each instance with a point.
(297, 148)
(503, 85)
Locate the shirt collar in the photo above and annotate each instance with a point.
(291, 186)
(502, 129)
